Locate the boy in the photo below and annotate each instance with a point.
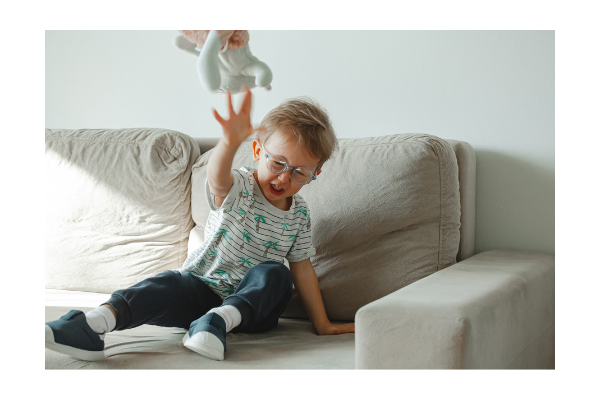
(236, 280)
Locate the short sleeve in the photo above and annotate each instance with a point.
(302, 248)
(233, 199)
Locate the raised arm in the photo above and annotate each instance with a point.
(235, 130)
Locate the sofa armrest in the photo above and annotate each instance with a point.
(493, 310)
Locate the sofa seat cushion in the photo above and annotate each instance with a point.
(117, 206)
(293, 344)
(385, 213)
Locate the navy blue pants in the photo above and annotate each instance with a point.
(175, 299)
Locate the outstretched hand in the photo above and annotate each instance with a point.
(333, 329)
(238, 126)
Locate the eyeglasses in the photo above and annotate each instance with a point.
(278, 164)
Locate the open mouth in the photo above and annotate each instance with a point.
(276, 190)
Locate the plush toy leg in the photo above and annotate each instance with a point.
(208, 67)
(182, 43)
(240, 68)
(258, 69)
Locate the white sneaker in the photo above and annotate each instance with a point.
(207, 336)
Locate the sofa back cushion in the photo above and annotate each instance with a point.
(385, 213)
(117, 206)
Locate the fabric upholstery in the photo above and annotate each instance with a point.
(493, 310)
(117, 206)
(385, 213)
(465, 157)
(466, 160)
(293, 344)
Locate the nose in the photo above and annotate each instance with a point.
(285, 176)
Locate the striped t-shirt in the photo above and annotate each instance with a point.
(245, 231)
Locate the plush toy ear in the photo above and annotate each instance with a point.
(182, 43)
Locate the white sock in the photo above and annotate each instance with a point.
(101, 320)
(230, 314)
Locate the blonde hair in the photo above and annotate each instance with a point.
(305, 120)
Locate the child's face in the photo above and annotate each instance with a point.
(279, 188)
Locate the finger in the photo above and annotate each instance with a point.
(230, 105)
(247, 103)
(218, 117)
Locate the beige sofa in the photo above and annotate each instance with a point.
(393, 221)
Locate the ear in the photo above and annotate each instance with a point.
(256, 150)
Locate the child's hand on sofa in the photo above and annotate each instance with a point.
(335, 329)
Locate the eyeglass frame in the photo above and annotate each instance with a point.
(287, 166)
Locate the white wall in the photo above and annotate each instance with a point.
(493, 89)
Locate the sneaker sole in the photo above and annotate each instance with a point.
(198, 345)
(86, 355)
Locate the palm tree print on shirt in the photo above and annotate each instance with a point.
(244, 194)
(259, 218)
(223, 274)
(285, 225)
(304, 211)
(248, 239)
(228, 291)
(243, 261)
(200, 264)
(242, 214)
(268, 245)
(291, 238)
(212, 254)
(301, 210)
(222, 233)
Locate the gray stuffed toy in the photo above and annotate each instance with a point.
(225, 63)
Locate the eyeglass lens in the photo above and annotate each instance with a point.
(301, 175)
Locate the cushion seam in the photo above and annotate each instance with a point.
(115, 141)
(343, 145)
(441, 217)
